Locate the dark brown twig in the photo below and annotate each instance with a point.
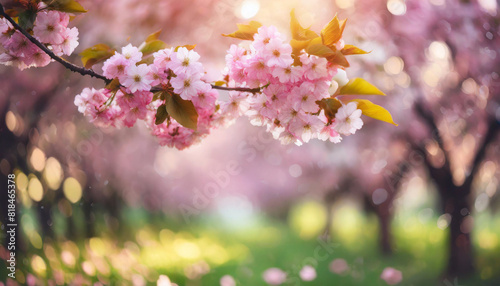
(85, 71)
(66, 64)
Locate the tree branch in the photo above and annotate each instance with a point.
(489, 137)
(66, 64)
(430, 121)
(242, 89)
(90, 72)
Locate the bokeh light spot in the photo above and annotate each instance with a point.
(35, 189)
(295, 171)
(37, 159)
(249, 8)
(38, 265)
(11, 121)
(308, 219)
(394, 65)
(396, 7)
(344, 4)
(53, 173)
(72, 190)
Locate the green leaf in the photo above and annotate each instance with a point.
(360, 86)
(153, 46)
(372, 110)
(182, 111)
(161, 114)
(96, 54)
(352, 50)
(333, 31)
(298, 32)
(245, 32)
(68, 6)
(26, 19)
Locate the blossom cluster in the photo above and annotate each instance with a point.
(49, 28)
(288, 104)
(174, 72)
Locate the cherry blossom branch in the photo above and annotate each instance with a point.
(90, 72)
(242, 89)
(66, 64)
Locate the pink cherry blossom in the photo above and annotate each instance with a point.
(305, 97)
(69, 43)
(19, 45)
(287, 74)
(279, 54)
(163, 280)
(187, 86)
(305, 126)
(49, 27)
(163, 59)
(315, 67)
(186, 62)
(116, 66)
(274, 276)
(348, 119)
(132, 54)
(308, 273)
(12, 60)
(40, 58)
(264, 36)
(227, 280)
(137, 78)
(339, 266)
(391, 276)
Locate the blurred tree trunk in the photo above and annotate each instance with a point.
(455, 198)
(461, 257)
(385, 234)
(89, 216)
(45, 219)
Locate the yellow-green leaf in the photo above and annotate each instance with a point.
(114, 85)
(68, 6)
(153, 46)
(375, 111)
(245, 31)
(96, 54)
(352, 50)
(154, 36)
(360, 86)
(333, 31)
(189, 47)
(317, 48)
(220, 83)
(298, 45)
(298, 32)
(182, 111)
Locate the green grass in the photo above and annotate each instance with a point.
(145, 245)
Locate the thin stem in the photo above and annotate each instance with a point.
(242, 89)
(85, 71)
